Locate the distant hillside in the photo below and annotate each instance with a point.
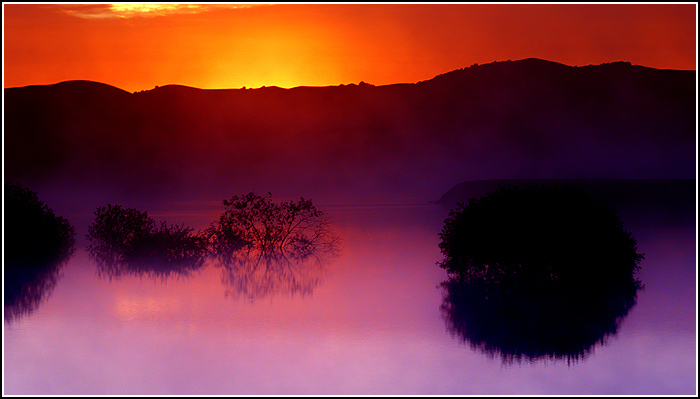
(519, 119)
(667, 200)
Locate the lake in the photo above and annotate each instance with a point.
(364, 320)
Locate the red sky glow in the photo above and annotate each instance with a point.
(136, 47)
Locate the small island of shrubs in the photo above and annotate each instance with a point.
(537, 272)
(128, 241)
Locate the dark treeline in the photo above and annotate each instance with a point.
(537, 272)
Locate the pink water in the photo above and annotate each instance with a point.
(370, 325)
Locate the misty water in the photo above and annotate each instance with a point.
(366, 319)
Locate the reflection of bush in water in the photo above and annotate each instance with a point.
(251, 274)
(37, 246)
(537, 272)
(553, 323)
(266, 248)
(125, 241)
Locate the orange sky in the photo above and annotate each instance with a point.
(290, 45)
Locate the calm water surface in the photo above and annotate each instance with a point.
(366, 320)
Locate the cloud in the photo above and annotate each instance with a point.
(130, 10)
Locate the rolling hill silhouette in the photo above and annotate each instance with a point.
(515, 119)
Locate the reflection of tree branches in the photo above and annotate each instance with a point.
(266, 249)
(537, 273)
(126, 242)
(37, 246)
(251, 274)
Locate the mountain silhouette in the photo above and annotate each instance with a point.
(514, 119)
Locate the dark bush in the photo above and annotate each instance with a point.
(255, 222)
(538, 237)
(33, 234)
(127, 241)
(119, 231)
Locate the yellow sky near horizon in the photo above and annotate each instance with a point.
(136, 47)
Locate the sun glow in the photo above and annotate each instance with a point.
(136, 46)
(145, 8)
(130, 10)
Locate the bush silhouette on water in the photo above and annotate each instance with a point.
(266, 248)
(537, 272)
(127, 241)
(37, 246)
(252, 221)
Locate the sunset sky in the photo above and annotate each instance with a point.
(136, 47)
